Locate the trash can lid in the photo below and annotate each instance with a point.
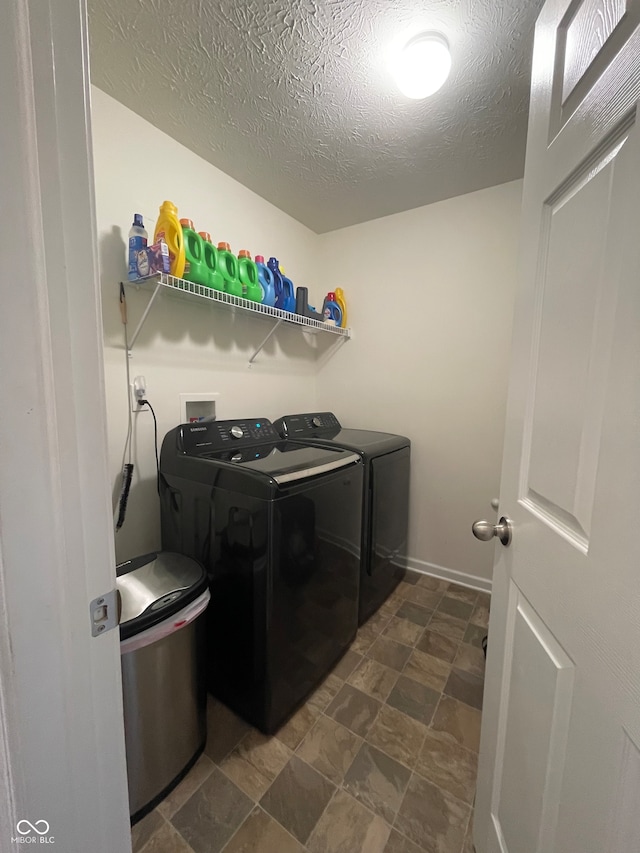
(154, 586)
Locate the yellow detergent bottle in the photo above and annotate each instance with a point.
(342, 304)
(168, 228)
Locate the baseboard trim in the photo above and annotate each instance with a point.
(445, 574)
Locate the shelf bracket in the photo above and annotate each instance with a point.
(253, 357)
(143, 318)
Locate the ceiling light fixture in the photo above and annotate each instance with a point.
(423, 65)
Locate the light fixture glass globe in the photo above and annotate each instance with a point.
(423, 65)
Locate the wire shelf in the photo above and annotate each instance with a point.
(163, 282)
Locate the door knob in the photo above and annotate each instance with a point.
(485, 531)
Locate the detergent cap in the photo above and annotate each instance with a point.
(187, 223)
(244, 253)
(259, 259)
(137, 220)
(224, 247)
(205, 235)
(331, 297)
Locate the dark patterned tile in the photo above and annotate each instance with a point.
(455, 607)
(480, 615)
(462, 593)
(403, 631)
(484, 599)
(330, 748)
(255, 763)
(398, 735)
(414, 613)
(437, 646)
(298, 797)
(166, 840)
(373, 678)
(365, 638)
(348, 827)
(414, 699)
(346, 664)
(432, 818)
(389, 653)
(399, 844)
(377, 622)
(210, 817)
(225, 730)
(448, 765)
(354, 709)
(432, 584)
(427, 598)
(321, 697)
(474, 635)
(178, 797)
(262, 833)
(297, 726)
(377, 781)
(458, 721)
(471, 659)
(411, 577)
(144, 829)
(449, 626)
(466, 687)
(428, 670)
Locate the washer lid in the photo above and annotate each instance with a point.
(155, 583)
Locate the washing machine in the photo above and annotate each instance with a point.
(385, 502)
(277, 526)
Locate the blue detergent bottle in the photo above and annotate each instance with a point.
(289, 302)
(278, 285)
(331, 309)
(265, 277)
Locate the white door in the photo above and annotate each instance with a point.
(560, 750)
(62, 757)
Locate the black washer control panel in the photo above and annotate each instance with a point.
(309, 423)
(197, 438)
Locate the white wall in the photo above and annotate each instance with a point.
(430, 297)
(187, 346)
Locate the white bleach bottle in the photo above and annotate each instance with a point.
(137, 242)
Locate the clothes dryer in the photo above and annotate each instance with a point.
(385, 503)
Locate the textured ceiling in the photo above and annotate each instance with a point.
(295, 101)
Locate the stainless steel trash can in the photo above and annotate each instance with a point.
(163, 598)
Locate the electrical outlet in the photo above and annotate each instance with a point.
(138, 391)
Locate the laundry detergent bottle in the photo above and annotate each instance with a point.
(278, 286)
(210, 258)
(289, 301)
(195, 268)
(248, 275)
(168, 228)
(331, 309)
(342, 304)
(228, 264)
(265, 277)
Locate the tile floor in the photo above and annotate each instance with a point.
(382, 757)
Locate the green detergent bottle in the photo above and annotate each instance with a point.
(210, 256)
(195, 268)
(248, 275)
(228, 264)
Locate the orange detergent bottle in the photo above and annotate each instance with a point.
(168, 228)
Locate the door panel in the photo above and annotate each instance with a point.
(561, 714)
(533, 726)
(573, 305)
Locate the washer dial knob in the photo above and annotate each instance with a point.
(316, 422)
(237, 431)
